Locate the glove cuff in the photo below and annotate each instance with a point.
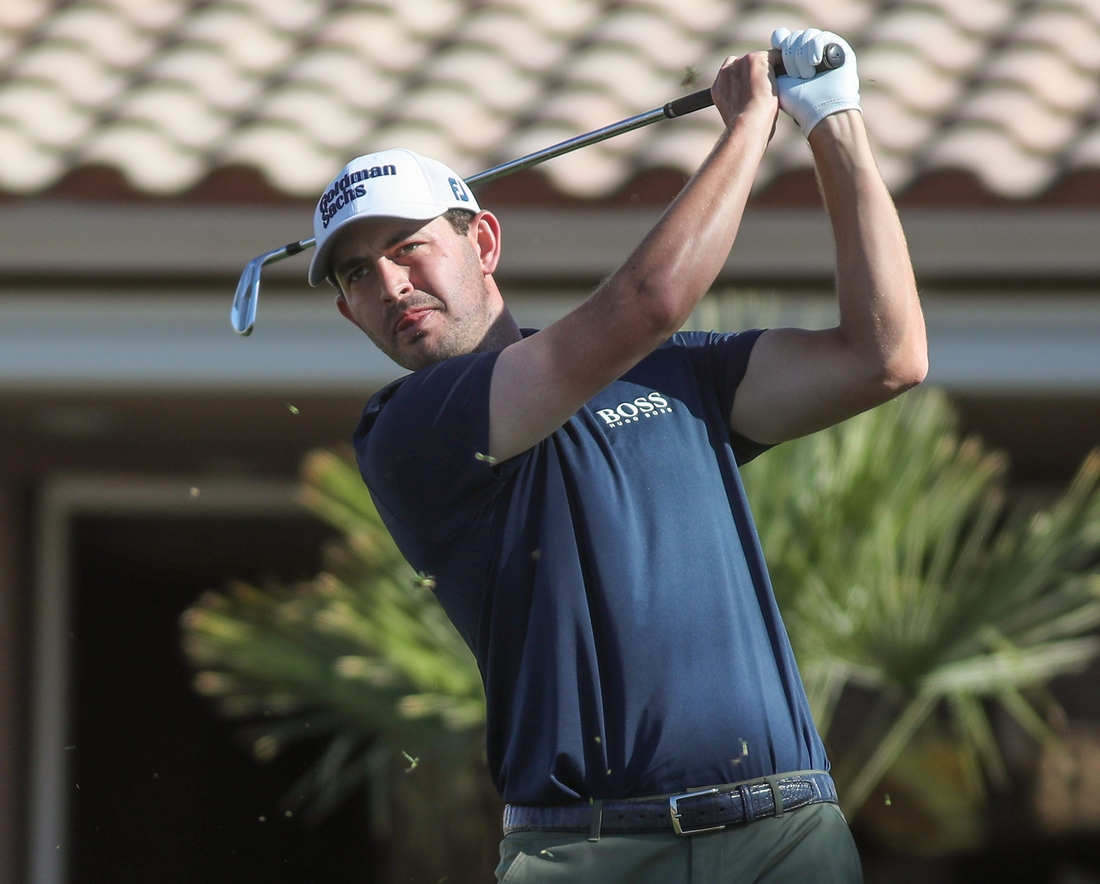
(825, 109)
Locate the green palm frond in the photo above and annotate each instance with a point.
(900, 561)
(901, 565)
(361, 656)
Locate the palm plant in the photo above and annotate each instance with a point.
(902, 567)
(900, 564)
(363, 658)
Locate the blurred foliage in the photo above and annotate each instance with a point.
(363, 661)
(904, 573)
(903, 568)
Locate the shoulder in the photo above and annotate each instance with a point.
(445, 387)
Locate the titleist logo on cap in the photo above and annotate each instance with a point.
(341, 191)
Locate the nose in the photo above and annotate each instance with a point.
(394, 279)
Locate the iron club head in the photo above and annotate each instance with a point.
(243, 314)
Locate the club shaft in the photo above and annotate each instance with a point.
(700, 99)
(243, 315)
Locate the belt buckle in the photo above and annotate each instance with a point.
(674, 810)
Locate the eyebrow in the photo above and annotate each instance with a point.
(404, 233)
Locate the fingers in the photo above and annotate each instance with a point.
(802, 52)
(805, 94)
(744, 82)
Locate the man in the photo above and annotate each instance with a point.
(574, 492)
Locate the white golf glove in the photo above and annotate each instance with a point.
(808, 96)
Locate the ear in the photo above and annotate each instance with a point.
(485, 236)
(345, 311)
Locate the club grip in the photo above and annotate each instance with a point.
(831, 59)
(689, 104)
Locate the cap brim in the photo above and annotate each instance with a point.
(319, 268)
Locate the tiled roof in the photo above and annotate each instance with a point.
(168, 92)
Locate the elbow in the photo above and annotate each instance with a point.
(905, 370)
(660, 313)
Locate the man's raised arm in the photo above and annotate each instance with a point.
(540, 382)
(800, 381)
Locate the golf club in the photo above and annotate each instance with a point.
(243, 313)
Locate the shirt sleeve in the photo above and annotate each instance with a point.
(724, 359)
(422, 447)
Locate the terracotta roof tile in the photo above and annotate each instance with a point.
(377, 35)
(427, 140)
(321, 116)
(985, 17)
(1026, 120)
(209, 73)
(992, 156)
(1089, 7)
(28, 166)
(9, 45)
(168, 92)
(593, 175)
(753, 27)
(22, 15)
(461, 116)
(927, 32)
(151, 160)
(676, 147)
(344, 73)
(241, 37)
(151, 15)
(74, 72)
(515, 35)
(1072, 33)
(288, 157)
(894, 126)
(494, 77)
(842, 16)
(1053, 79)
(429, 19)
(583, 108)
(562, 18)
(909, 78)
(105, 33)
(179, 112)
(47, 116)
(622, 73)
(651, 36)
(289, 16)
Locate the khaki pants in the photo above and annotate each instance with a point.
(811, 845)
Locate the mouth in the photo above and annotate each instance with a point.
(411, 320)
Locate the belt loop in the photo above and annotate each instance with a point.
(597, 820)
(777, 796)
(746, 802)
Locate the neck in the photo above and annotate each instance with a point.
(502, 332)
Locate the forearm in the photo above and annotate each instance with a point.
(679, 259)
(540, 381)
(880, 315)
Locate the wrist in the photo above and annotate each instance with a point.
(759, 117)
(842, 136)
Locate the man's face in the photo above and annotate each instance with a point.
(416, 288)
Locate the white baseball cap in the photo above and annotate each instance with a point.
(389, 184)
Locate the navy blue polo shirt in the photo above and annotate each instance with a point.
(609, 580)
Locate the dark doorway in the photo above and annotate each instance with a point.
(162, 788)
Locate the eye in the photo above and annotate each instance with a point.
(358, 273)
